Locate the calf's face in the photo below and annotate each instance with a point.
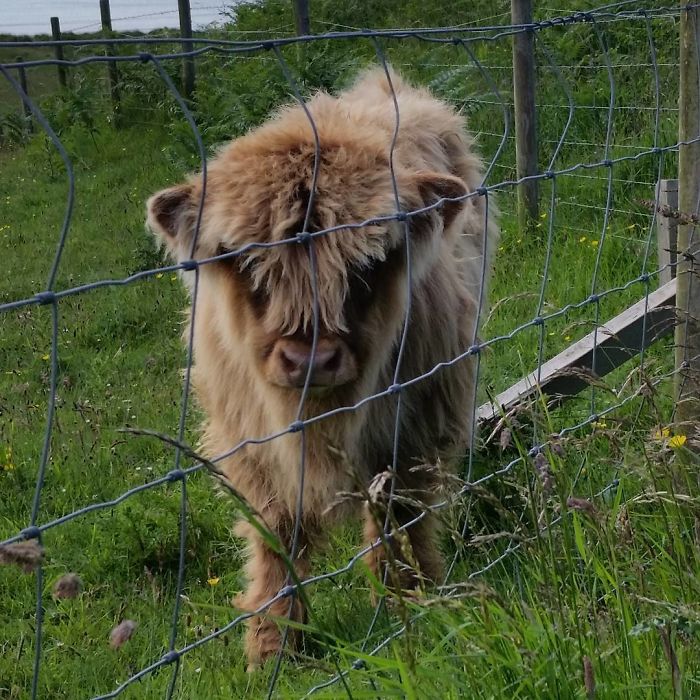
(349, 284)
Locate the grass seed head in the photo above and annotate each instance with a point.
(67, 587)
(27, 555)
(623, 526)
(588, 677)
(122, 633)
(582, 505)
(506, 439)
(544, 471)
(557, 448)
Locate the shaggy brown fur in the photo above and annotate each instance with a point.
(254, 315)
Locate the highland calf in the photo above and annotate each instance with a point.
(253, 332)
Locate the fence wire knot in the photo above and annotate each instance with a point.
(170, 657)
(47, 297)
(31, 533)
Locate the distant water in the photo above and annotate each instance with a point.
(33, 16)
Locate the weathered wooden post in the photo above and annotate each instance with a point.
(112, 72)
(22, 74)
(187, 46)
(667, 230)
(58, 51)
(525, 112)
(688, 293)
(301, 17)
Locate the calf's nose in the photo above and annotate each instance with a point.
(298, 357)
(330, 364)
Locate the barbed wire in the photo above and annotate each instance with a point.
(40, 27)
(144, 15)
(462, 37)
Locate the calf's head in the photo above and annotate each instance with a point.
(264, 302)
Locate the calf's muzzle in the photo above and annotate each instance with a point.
(331, 364)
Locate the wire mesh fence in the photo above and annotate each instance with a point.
(603, 148)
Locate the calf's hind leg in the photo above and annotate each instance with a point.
(412, 553)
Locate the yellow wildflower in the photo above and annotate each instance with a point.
(7, 465)
(677, 441)
(582, 239)
(661, 433)
(594, 243)
(159, 275)
(213, 581)
(46, 357)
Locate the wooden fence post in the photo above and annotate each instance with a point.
(112, 72)
(58, 50)
(301, 17)
(687, 338)
(187, 46)
(667, 230)
(22, 74)
(525, 112)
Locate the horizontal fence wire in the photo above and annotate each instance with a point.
(555, 178)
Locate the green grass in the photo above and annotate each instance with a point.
(618, 584)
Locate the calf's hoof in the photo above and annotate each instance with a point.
(263, 639)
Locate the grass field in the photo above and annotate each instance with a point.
(609, 580)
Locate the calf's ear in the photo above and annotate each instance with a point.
(171, 215)
(434, 186)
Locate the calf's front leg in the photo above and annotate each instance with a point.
(267, 573)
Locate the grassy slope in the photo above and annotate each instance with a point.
(619, 585)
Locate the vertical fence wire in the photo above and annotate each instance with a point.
(310, 249)
(654, 216)
(189, 117)
(46, 297)
(505, 112)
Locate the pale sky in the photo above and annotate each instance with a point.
(33, 16)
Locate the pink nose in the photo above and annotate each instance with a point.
(330, 365)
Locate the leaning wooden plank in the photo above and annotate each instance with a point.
(617, 341)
